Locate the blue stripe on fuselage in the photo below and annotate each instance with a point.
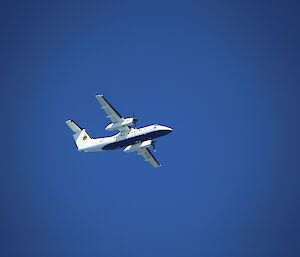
(135, 140)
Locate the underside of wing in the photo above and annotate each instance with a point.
(145, 152)
(112, 113)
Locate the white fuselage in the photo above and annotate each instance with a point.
(126, 138)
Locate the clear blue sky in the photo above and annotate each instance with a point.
(224, 76)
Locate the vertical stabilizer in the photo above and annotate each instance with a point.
(81, 137)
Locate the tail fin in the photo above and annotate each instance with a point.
(81, 137)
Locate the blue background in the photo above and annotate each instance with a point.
(223, 74)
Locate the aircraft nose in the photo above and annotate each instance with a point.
(168, 129)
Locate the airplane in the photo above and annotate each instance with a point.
(133, 139)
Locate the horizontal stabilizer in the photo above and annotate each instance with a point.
(73, 126)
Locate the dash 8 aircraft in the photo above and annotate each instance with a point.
(132, 139)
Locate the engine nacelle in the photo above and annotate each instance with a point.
(117, 125)
(146, 144)
(132, 148)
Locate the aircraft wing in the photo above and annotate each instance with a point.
(111, 112)
(145, 152)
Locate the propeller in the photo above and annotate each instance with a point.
(135, 120)
(153, 145)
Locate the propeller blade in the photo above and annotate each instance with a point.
(135, 120)
(153, 145)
